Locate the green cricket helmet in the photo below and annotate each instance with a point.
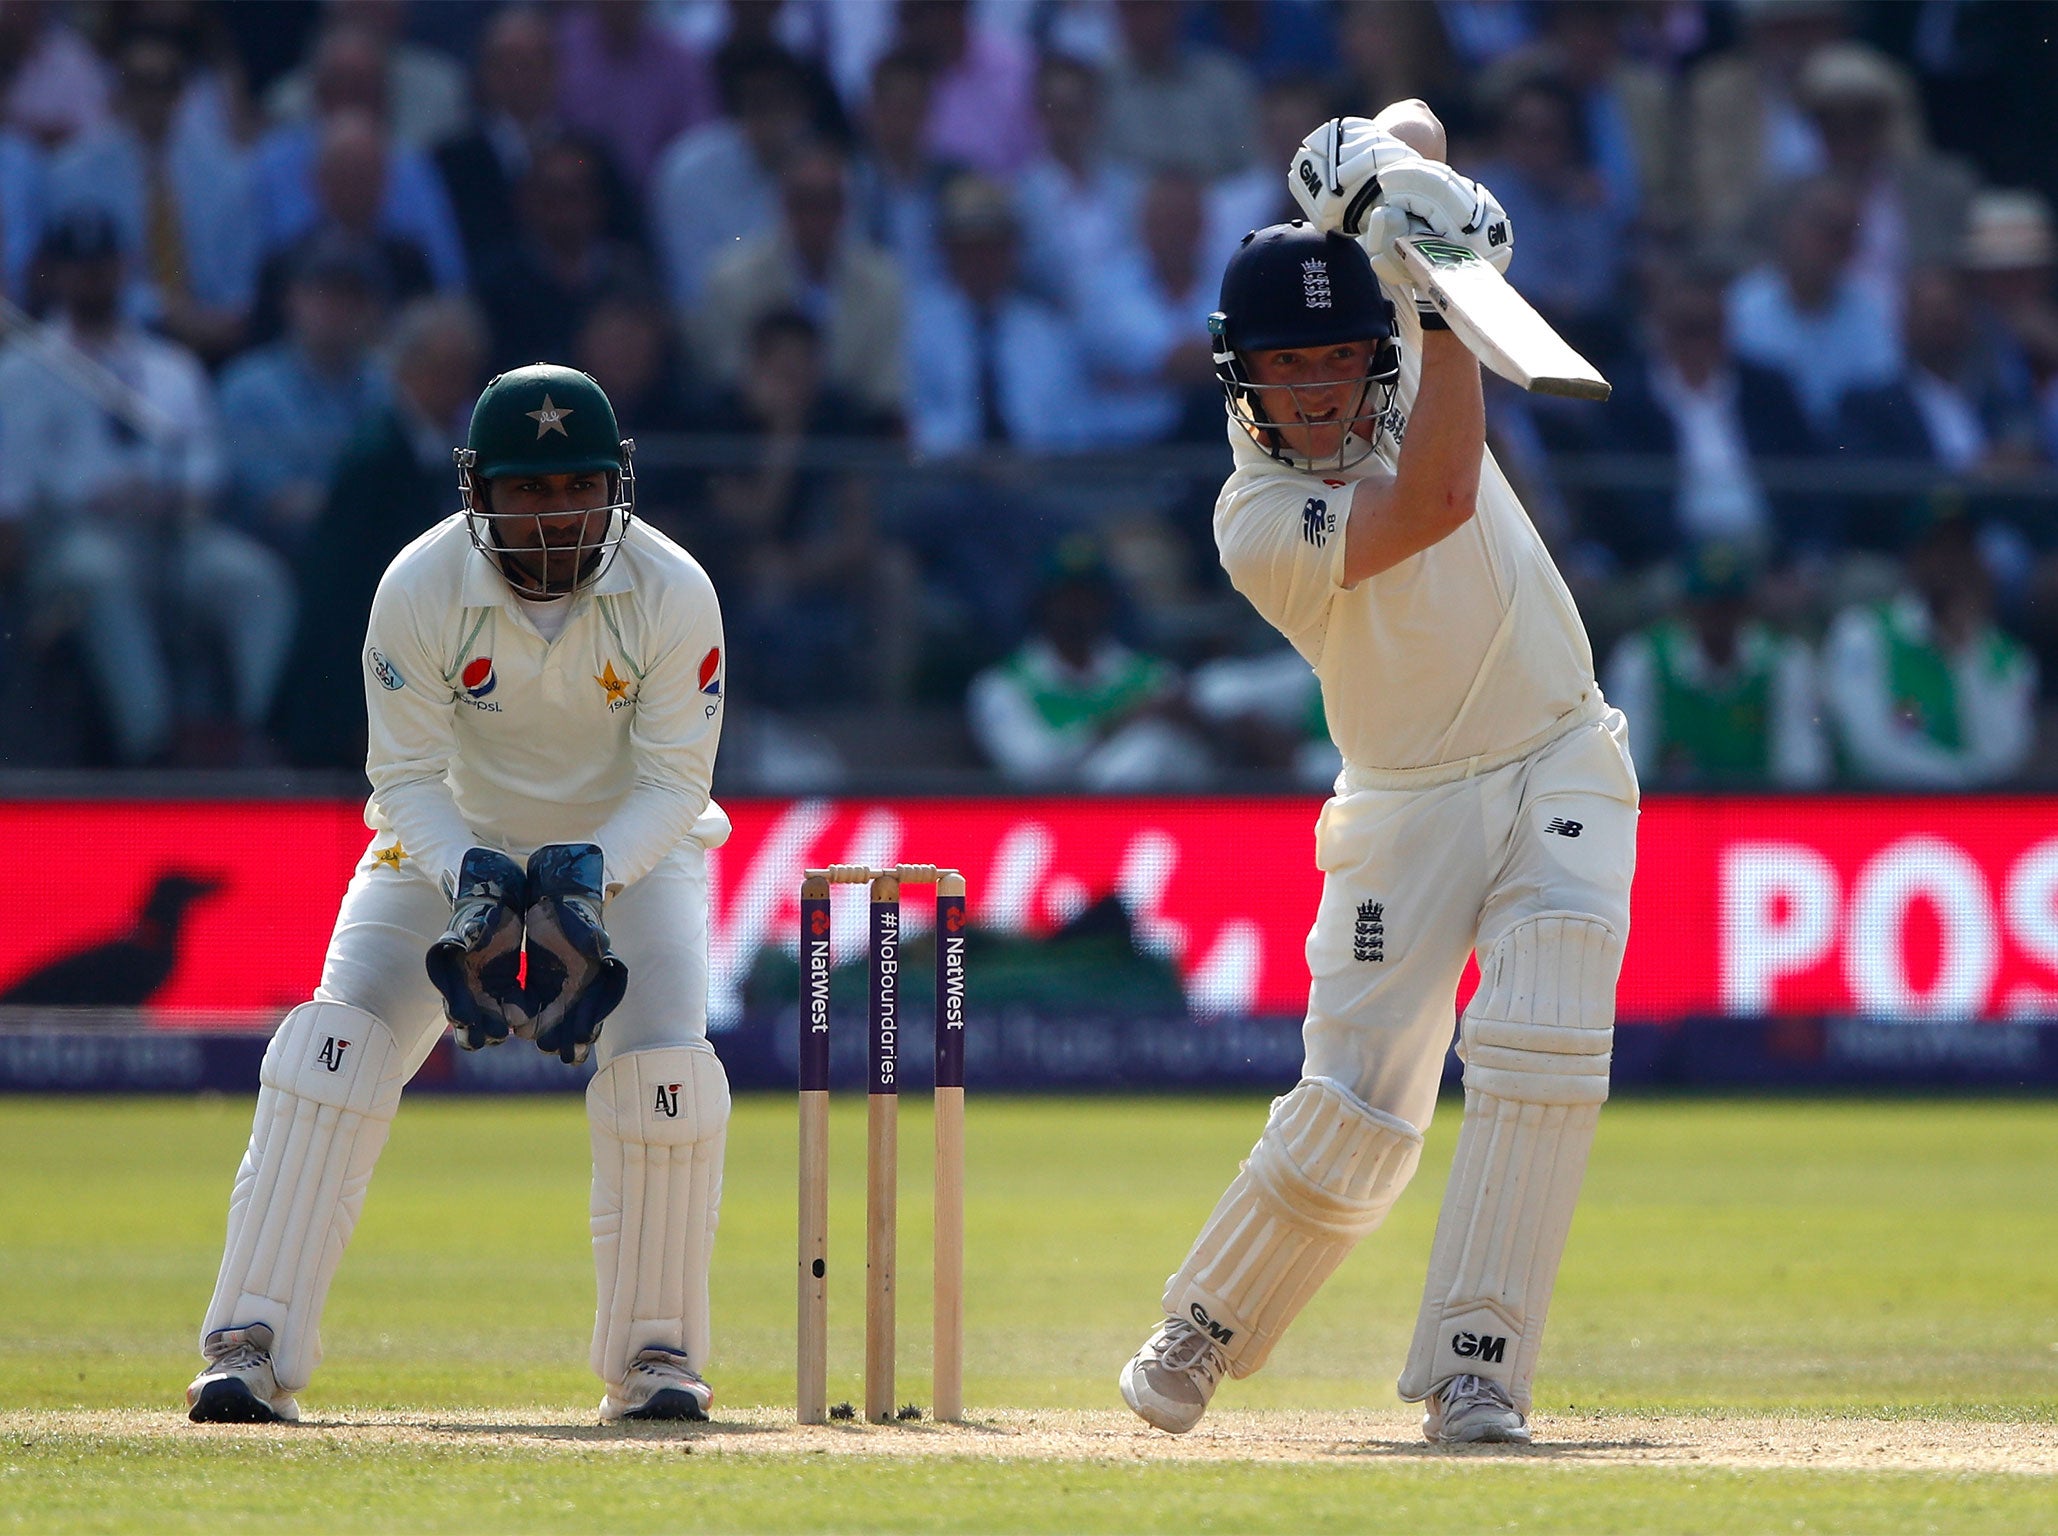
(546, 419)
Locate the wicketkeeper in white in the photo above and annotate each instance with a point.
(543, 676)
(1487, 803)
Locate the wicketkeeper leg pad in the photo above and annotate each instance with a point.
(1324, 1173)
(1536, 1044)
(659, 1120)
(327, 1093)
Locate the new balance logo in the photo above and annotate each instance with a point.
(331, 1053)
(1560, 827)
(1368, 934)
(1487, 1348)
(1209, 1326)
(1317, 521)
(667, 1100)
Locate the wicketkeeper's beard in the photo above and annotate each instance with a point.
(555, 566)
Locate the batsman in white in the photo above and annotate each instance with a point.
(543, 676)
(1487, 803)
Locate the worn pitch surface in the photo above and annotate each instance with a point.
(1800, 1441)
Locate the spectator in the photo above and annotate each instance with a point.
(1264, 713)
(290, 407)
(1175, 106)
(111, 462)
(1744, 129)
(1926, 691)
(515, 110)
(1256, 197)
(625, 341)
(1078, 206)
(1714, 698)
(2011, 255)
(1143, 322)
(538, 290)
(811, 262)
(819, 605)
(52, 84)
(896, 183)
(1808, 314)
(22, 194)
(1571, 235)
(1272, 39)
(987, 361)
(424, 87)
(394, 481)
(181, 194)
(1961, 406)
(350, 77)
(1714, 416)
(1912, 201)
(1388, 52)
(1076, 708)
(349, 173)
(982, 84)
(1623, 108)
(716, 184)
(629, 83)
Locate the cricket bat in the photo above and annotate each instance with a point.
(1496, 322)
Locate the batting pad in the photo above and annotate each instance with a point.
(1535, 1043)
(328, 1088)
(1324, 1173)
(659, 1120)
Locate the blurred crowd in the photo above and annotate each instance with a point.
(905, 302)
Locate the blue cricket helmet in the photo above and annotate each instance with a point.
(1291, 285)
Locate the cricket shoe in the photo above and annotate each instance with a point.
(1170, 1380)
(1470, 1410)
(658, 1386)
(238, 1386)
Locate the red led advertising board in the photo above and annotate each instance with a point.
(1900, 907)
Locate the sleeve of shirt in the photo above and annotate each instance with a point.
(1800, 753)
(25, 439)
(2000, 715)
(677, 726)
(1883, 749)
(410, 715)
(1631, 686)
(1010, 731)
(1283, 549)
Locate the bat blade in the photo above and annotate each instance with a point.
(1496, 322)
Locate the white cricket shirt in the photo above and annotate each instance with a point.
(1471, 649)
(484, 732)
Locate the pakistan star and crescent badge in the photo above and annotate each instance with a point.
(550, 419)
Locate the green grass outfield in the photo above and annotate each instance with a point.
(1785, 1316)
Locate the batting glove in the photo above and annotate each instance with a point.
(477, 962)
(1337, 172)
(575, 978)
(1427, 197)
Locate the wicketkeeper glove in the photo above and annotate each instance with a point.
(575, 978)
(477, 963)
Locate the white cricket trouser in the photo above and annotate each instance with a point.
(1416, 879)
(659, 1107)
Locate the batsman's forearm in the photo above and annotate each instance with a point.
(1436, 485)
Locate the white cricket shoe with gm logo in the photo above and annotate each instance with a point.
(1170, 1380)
